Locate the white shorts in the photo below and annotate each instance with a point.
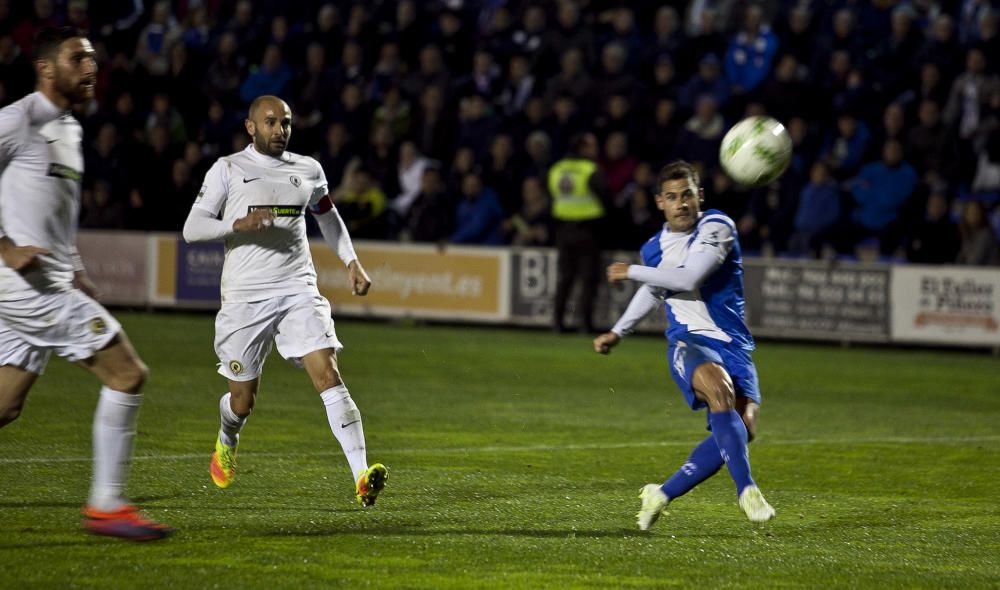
(69, 323)
(298, 324)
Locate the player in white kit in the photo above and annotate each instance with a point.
(46, 299)
(254, 201)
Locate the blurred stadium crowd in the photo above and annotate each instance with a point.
(438, 121)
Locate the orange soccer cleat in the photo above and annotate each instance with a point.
(126, 522)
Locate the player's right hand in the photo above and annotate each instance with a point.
(23, 258)
(256, 220)
(605, 342)
(617, 272)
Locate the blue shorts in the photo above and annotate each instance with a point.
(691, 350)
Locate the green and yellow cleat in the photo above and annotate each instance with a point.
(370, 483)
(754, 505)
(654, 503)
(223, 464)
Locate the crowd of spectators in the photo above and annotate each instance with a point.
(437, 121)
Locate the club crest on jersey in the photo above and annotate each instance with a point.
(236, 367)
(295, 180)
(97, 326)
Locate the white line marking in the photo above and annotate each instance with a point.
(888, 440)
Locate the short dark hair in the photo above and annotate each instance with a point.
(678, 170)
(48, 40)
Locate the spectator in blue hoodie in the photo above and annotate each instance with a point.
(817, 213)
(880, 191)
(750, 53)
(845, 149)
(272, 77)
(478, 216)
(708, 81)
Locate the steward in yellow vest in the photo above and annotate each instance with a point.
(577, 187)
(569, 185)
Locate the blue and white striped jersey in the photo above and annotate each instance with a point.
(715, 308)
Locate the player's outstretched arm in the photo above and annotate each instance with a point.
(710, 246)
(643, 302)
(696, 269)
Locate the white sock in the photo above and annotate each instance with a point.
(114, 431)
(345, 422)
(232, 424)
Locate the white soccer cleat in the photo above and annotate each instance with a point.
(654, 503)
(754, 505)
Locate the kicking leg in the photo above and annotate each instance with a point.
(345, 422)
(706, 459)
(704, 462)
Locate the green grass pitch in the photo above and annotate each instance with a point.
(516, 459)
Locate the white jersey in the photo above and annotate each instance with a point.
(276, 261)
(41, 168)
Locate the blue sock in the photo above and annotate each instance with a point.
(704, 462)
(731, 435)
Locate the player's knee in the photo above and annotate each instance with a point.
(721, 396)
(129, 378)
(9, 413)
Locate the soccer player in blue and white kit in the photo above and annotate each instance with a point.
(694, 268)
(254, 201)
(46, 299)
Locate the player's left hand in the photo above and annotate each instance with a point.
(618, 272)
(82, 282)
(605, 342)
(360, 283)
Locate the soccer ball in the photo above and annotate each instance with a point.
(756, 151)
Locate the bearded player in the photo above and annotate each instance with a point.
(254, 201)
(46, 299)
(693, 268)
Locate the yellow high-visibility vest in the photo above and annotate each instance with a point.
(572, 199)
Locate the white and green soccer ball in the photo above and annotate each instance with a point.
(756, 151)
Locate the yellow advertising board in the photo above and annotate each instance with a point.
(419, 281)
(164, 289)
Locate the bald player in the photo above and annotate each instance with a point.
(46, 299)
(254, 201)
